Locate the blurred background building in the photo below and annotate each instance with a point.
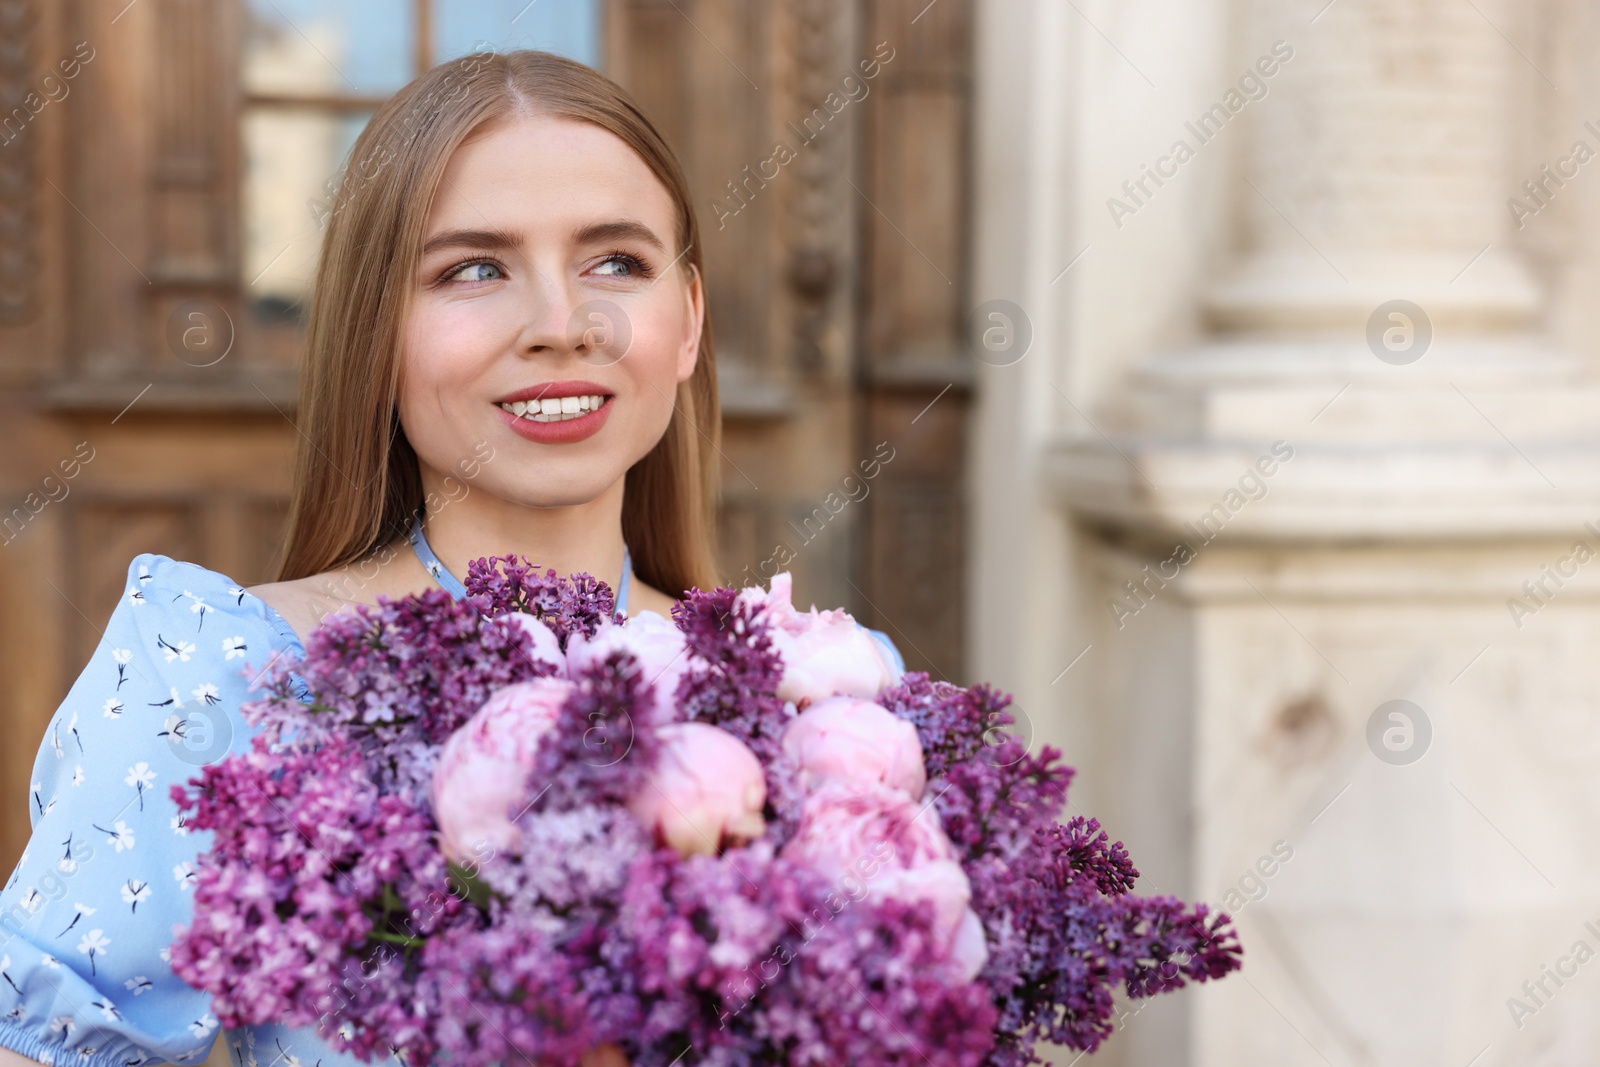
(1235, 361)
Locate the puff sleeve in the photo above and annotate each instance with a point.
(86, 919)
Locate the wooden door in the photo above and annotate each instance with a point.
(825, 141)
(134, 418)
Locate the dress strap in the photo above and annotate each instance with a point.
(622, 586)
(452, 584)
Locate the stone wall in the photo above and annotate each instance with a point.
(1303, 465)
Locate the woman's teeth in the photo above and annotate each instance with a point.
(554, 409)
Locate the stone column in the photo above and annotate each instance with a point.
(1342, 577)
(1378, 171)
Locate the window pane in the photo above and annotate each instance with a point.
(569, 27)
(292, 157)
(327, 46)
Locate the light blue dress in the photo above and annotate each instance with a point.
(87, 917)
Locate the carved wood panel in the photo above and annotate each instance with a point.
(836, 280)
(19, 184)
(735, 87)
(915, 371)
(118, 205)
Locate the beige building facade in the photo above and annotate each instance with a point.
(1285, 521)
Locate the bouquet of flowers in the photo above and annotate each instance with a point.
(521, 826)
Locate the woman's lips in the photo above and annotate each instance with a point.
(559, 433)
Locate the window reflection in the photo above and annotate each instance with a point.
(568, 28)
(321, 46)
(313, 72)
(291, 159)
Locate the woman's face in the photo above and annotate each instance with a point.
(549, 257)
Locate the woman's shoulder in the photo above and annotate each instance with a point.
(204, 599)
(183, 649)
(297, 602)
(180, 631)
(304, 602)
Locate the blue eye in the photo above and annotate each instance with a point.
(475, 272)
(632, 266)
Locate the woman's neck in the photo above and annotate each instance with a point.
(574, 538)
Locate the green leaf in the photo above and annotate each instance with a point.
(468, 886)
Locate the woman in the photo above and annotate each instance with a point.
(507, 353)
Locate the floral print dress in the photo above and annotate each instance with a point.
(87, 917)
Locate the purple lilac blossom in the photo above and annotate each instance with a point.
(325, 898)
(546, 974)
(1063, 927)
(751, 959)
(397, 679)
(309, 865)
(499, 584)
(603, 746)
(734, 680)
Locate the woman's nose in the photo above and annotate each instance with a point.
(549, 312)
(604, 331)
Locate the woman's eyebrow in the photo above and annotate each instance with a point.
(619, 230)
(496, 240)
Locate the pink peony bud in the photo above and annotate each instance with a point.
(481, 778)
(708, 787)
(825, 653)
(546, 646)
(857, 740)
(653, 638)
(865, 834)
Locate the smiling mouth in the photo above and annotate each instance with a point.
(552, 409)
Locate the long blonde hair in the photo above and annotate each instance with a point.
(357, 482)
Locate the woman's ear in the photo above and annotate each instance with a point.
(689, 353)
